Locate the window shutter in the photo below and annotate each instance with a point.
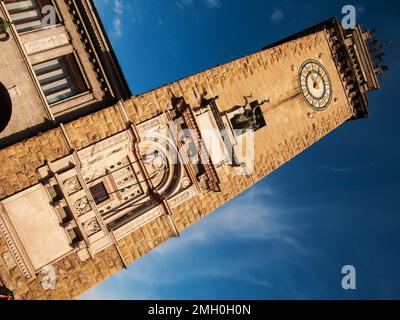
(75, 73)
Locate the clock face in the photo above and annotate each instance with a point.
(315, 85)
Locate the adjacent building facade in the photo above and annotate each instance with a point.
(114, 176)
(56, 64)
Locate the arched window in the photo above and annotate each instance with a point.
(5, 107)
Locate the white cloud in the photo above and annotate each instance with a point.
(182, 4)
(247, 218)
(276, 15)
(250, 217)
(101, 3)
(335, 169)
(118, 7)
(117, 27)
(213, 3)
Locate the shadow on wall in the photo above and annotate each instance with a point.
(5, 107)
(26, 133)
(46, 124)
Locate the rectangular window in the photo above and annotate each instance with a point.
(26, 14)
(99, 193)
(60, 78)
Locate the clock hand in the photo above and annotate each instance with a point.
(315, 81)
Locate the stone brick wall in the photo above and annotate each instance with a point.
(95, 127)
(19, 162)
(145, 239)
(291, 127)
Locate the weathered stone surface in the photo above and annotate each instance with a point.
(291, 127)
(95, 127)
(19, 162)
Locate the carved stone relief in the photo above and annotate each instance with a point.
(91, 227)
(82, 206)
(72, 185)
(46, 43)
(8, 260)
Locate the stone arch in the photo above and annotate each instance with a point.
(162, 162)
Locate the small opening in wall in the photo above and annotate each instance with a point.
(99, 193)
(5, 107)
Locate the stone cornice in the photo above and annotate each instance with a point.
(347, 70)
(98, 48)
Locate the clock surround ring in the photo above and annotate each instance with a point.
(326, 82)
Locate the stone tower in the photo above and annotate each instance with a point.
(90, 196)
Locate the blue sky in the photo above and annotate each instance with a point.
(289, 236)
